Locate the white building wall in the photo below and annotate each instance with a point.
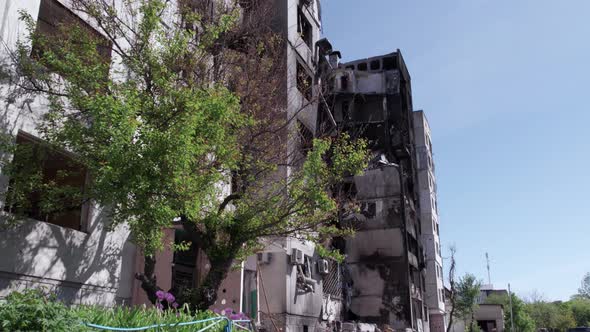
(429, 216)
(290, 306)
(92, 267)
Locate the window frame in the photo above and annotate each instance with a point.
(53, 13)
(304, 28)
(85, 207)
(308, 79)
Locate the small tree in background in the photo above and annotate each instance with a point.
(522, 321)
(584, 290)
(468, 291)
(557, 316)
(452, 287)
(580, 308)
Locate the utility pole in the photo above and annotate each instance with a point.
(511, 315)
(488, 265)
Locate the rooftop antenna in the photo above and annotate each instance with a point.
(488, 265)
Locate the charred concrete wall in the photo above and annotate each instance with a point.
(371, 99)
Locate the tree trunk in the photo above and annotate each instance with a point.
(206, 293)
(451, 316)
(472, 320)
(148, 278)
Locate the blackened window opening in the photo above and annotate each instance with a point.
(305, 137)
(304, 28)
(344, 82)
(184, 261)
(304, 82)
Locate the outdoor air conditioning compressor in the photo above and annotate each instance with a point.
(264, 257)
(297, 257)
(323, 266)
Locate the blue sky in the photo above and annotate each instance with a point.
(506, 87)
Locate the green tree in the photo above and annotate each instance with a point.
(584, 290)
(452, 299)
(551, 315)
(543, 314)
(580, 308)
(468, 291)
(522, 321)
(183, 106)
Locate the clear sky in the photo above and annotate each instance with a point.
(506, 87)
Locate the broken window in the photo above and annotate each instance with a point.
(369, 209)
(304, 82)
(389, 63)
(344, 82)
(362, 66)
(54, 18)
(49, 184)
(304, 28)
(345, 111)
(304, 273)
(184, 261)
(246, 4)
(346, 192)
(417, 310)
(369, 110)
(305, 137)
(350, 67)
(375, 65)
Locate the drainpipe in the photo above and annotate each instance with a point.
(242, 287)
(4, 19)
(511, 316)
(258, 294)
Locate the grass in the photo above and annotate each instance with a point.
(35, 310)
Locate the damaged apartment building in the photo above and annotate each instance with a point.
(392, 275)
(393, 269)
(372, 99)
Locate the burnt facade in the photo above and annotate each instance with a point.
(385, 265)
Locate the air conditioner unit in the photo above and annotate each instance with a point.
(323, 266)
(264, 257)
(297, 257)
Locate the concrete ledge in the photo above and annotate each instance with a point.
(71, 293)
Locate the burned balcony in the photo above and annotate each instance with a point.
(348, 81)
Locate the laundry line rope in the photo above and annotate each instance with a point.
(215, 321)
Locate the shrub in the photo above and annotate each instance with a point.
(33, 310)
(141, 316)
